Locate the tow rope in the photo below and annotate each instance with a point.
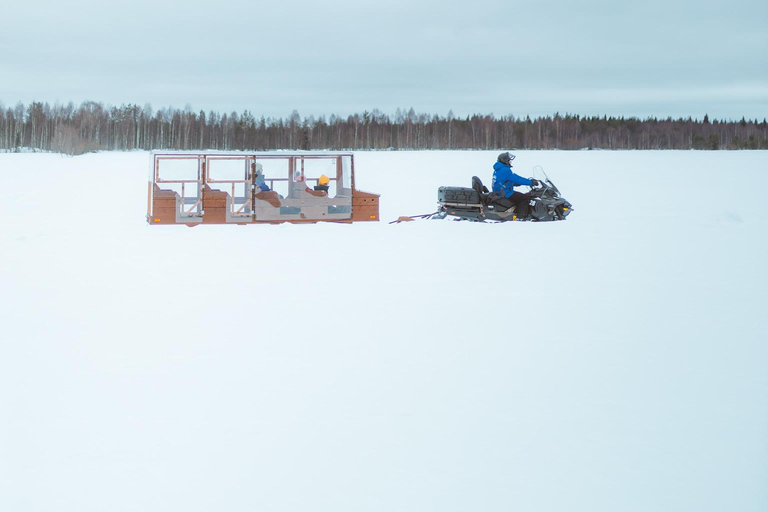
(404, 218)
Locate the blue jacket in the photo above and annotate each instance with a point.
(504, 180)
(261, 183)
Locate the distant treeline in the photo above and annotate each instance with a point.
(93, 126)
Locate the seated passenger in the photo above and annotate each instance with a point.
(323, 183)
(264, 193)
(299, 179)
(259, 178)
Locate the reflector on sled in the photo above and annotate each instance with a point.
(217, 188)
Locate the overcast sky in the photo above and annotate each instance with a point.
(650, 57)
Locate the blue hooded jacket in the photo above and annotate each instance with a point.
(504, 180)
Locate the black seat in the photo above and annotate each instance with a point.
(497, 201)
(481, 189)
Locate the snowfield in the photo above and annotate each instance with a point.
(612, 362)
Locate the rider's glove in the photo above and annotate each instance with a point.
(534, 182)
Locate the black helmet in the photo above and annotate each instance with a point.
(506, 158)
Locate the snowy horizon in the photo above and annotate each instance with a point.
(392, 113)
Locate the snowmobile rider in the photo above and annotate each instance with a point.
(504, 181)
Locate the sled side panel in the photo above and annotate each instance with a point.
(365, 206)
(164, 206)
(214, 206)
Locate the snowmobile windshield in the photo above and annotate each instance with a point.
(539, 169)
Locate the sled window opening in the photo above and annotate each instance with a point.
(233, 176)
(344, 166)
(184, 177)
(275, 172)
(312, 169)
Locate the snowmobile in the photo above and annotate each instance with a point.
(480, 205)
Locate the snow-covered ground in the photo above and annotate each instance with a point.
(613, 362)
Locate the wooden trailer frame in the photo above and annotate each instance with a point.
(201, 199)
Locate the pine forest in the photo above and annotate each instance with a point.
(92, 126)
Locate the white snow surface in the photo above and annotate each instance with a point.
(612, 362)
